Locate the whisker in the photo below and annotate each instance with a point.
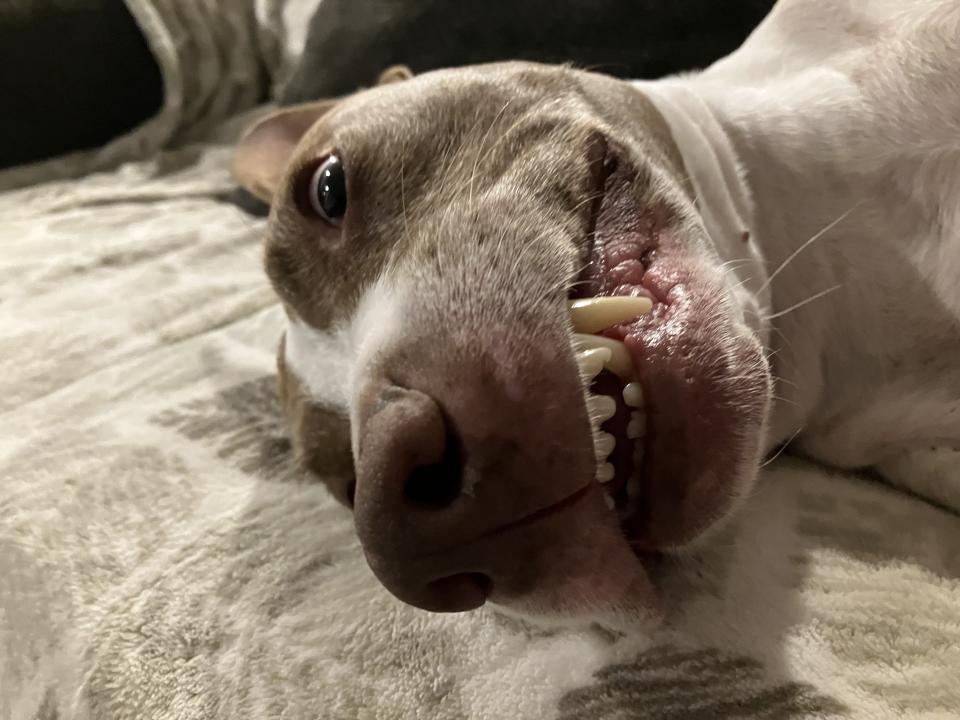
(588, 199)
(403, 197)
(783, 338)
(805, 245)
(800, 304)
(483, 141)
(783, 446)
(568, 285)
(451, 156)
(740, 262)
(784, 381)
(741, 283)
(785, 400)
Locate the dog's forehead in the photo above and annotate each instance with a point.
(442, 104)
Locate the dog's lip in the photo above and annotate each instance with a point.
(669, 402)
(532, 517)
(703, 383)
(529, 518)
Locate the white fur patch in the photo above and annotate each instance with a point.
(378, 321)
(321, 361)
(331, 364)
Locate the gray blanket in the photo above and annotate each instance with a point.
(161, 558)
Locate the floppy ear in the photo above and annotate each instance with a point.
(265, 149)
(394, 73)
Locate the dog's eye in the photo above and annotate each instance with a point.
(328, 190)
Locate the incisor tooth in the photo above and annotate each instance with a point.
(604, 444)
(619, 363)
(605, 473)
(592, 360)
(633, 394)
(637, 427)
(609, 501)
(591, 315)
(601, 407)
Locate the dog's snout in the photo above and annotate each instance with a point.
(454, 456)
(413, 467)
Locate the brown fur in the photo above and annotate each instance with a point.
(477, 190)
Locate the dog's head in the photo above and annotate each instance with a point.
(512, 346)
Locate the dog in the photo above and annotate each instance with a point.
(544, 325)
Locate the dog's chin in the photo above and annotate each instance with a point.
(583, 569)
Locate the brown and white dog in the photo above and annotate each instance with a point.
(548, 323)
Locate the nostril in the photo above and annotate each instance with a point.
(436, 486)
(351, 493)
(457, 593)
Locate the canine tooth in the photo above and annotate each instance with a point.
(633, 394)
(637, 427)
(604, 444)
(609, 501)
(633, 487)
(605, 473)
(601, 407)
(592, 360)
(594, 314)
(619, 363)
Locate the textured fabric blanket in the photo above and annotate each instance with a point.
(161, 558)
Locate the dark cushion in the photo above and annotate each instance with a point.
(73, 75)
(350, 41)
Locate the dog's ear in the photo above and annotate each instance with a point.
(393, 74)
(265, 149)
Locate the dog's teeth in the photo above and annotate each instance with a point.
(633, 487)
(591, 362)
(594, 314)
(619, 363)
(609, 501)
(605, 473)
(604, 444)
(637, 427)
(638, 455)
(633, 394)
(601, 407)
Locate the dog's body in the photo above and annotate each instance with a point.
(846, 122)
(792, 213)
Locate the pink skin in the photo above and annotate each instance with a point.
(706, 388)
(705, 380)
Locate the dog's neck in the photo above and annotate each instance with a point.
(728, 205)
(748, 219)
(845, 234)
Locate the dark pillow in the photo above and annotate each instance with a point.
(350, 41)
(73, 75)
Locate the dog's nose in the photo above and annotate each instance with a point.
(451, 461)
(421, 464)
(413, 471)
